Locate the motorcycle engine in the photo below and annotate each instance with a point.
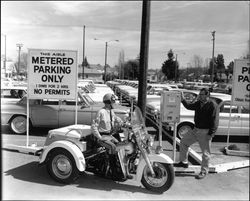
(127, 146)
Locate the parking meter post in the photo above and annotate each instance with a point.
(229, 124)
(131, 103)
(174, 141)
(159, 147)
(27, 123)
(76, 107)
(160, 134)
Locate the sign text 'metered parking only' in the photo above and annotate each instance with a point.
(52, 74)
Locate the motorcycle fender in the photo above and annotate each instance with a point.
(69, 146)
(161, 158)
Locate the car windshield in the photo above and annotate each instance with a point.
(86, 98)
(245, 110)
(13, 93)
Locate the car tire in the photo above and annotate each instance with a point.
(183, 129)
(18, 124)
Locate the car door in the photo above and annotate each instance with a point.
(235, 119)
(67, 112)
(44, 112)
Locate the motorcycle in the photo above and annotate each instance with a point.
(70, 150)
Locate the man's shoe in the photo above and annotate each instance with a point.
(181, 164)
(129, 176)
(201, 175)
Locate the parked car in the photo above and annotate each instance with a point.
(223, 88)
(12, 93)
(53, 113)
(97, 92)
(239, 120)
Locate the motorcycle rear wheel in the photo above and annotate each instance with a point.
(61, 166)
(162, 181)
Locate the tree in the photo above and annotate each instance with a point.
(86, 63)
(220, 65)
(131, 69)
(197, 61)
(230, 67)
(22, 68)
(215, 68)
(229, 70)
(170, 66)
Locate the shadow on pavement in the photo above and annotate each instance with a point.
(31, 172)
(95, 182)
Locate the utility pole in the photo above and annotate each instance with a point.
(175, 74)
(105, 62)
(212, 76)
(19, 45)
(145, 27)
(83, 52)
(106, 53)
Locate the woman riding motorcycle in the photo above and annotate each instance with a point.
(105, 126)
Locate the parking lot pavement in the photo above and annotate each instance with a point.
(22, 179)
(22, 176)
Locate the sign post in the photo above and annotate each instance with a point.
(170, 113)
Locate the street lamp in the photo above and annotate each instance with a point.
(106, 52)
(4, 53)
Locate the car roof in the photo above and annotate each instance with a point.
(13, 87)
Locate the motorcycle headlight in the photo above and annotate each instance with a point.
(150, 141)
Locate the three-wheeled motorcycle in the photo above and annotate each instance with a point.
(70, 150)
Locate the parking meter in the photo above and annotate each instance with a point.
(170, 106)
(170, 113)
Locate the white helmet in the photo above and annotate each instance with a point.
(109, 98)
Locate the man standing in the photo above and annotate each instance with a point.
(206, 120)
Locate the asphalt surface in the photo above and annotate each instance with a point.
(22, 179)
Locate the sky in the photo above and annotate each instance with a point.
(183, 26)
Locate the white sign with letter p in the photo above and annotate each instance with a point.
(241, 82)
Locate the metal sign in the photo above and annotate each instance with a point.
(241, 82)
(52, 74)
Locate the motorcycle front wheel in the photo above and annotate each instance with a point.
(163, 179)
(61, 166)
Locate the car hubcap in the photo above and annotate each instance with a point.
(19, 124)
(183, 131)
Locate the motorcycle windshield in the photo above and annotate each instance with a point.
(137, 119)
